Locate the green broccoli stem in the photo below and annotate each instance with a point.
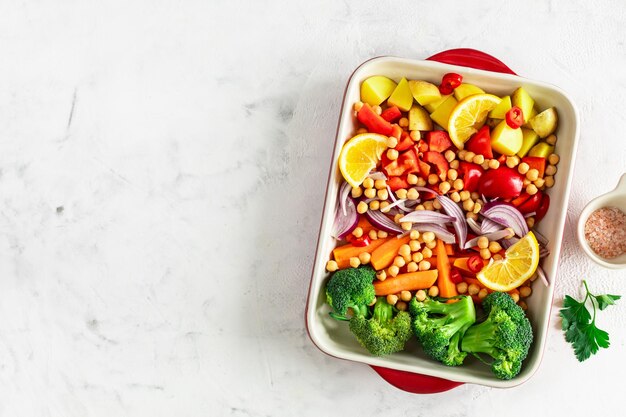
(357, 310)
(383, 312)
(479, 338)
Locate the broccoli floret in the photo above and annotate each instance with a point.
(351, 288)
(383, 333)
(506, 335)
(439, 327)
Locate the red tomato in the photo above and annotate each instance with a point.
(503, 182)
(532, 204)
(543, 208)
(514, 117)
(480, 143)
(475, 263)
(449, 82)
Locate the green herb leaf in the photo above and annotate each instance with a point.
(579, 327)
(606, 300)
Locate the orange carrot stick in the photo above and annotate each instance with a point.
(447, 288)
(342, 254)
(383, 256)
(410, 281)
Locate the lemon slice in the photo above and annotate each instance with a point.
(519, 264)
(360, 155)
(469, 115)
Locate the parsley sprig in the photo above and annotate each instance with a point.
(580, 327)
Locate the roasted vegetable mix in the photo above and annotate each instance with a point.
(443, 185)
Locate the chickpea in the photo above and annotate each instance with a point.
(406, 226)
(373, 235)
(380, 184)
(427, 253)
(549, 181)
(461, 154)
(392, 154)
(412, 194)
(331, 266)
(381, 275)
(551, 170)
(420, 295)
(411, 267)
(494, 164)
(406, 295)
(523, 168)
(370, 192)
(454, 164)
(511, 233)
(512, 161)
(471, 215)
(365, 258)
(532, 174)
(494, 247)
(465, 195)
(420, 207)
(371, 304)
(483, 293)
(539, 182)
(433, 179)
(514, 296)
(374, 205)
(392, 299)
(403, 122)
(523, 305)
(433, 291)
(362, 207)
(411, 179)
(453, 174)
(377, 109)
(485, 253)
(474, 195)
(393, 270)
(551, 140)
(431, 245)
(401, 305)
(449, 155)
(458, 184)
(436, 203)
(405, 250)
(530, 222)
(478, 159)
(525, 291)
(468, 205)
(397, 218)
(483, 242)
(357, 232)
(355, 262)
(454, 196)
(392, 142)
(526, 182)
(401, 193)
(415, 135)
(531, 189)
(461, 287)
(497, 257)
(424, 266)
(356, 192)
(383, 194)
(421, 182)
(428, 205)
(368, 183)
(473, 289)
(399, 261)
(553, 159)
(417, 257)
(428, 236)
(469, 156)
(382, 234)
(414, 235)
(358, 105)
(477, 207)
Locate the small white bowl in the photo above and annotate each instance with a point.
(615, 198)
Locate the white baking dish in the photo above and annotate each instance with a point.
(333, 337)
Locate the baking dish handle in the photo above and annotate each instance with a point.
(418, 383)
(471, 58)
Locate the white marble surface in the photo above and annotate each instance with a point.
(161, 170)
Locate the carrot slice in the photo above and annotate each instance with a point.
(449, 249)
(447, 288)
(410, 281)
(383, 256)
(342, 254)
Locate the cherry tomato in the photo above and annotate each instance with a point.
(475, 263)
(514, 117)
(455, 276)
(449, 82)
(358, 242)
(503, 182)
(543, 208)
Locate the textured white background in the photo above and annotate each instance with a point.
(187, 144)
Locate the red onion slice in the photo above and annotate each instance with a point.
(541, 238)
(378, 176)
(382, 222)
(542, 275)
(343, 225)
(507, 243)
(344, 191)
(438, 230)
(500, 234)
(452, 209)
(427, 216)
(488, 226)
(473, 224)
(507, 216)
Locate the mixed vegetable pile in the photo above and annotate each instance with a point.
(442, 187)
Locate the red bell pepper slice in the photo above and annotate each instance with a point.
(391, 168)
(438, 140)
(440, 163)
(470, 174)
(543, 208)
(520, 200)
(358, 242)
(480, 143)
(536, 162)
(405, 142)
(373, 122)
(395, 183)
(421, 146)
(391, 114)
(406, 163)
(532, 204)
(424, 168)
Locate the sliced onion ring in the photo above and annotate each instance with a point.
(344, 224)
(452, 209)
(378, 176)
(542, 275)
(382, 222)
(427, 216)
(473, 224)
(507, 216)
(489, 226)
(344, 191)
(438, 230)
(500, 234)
